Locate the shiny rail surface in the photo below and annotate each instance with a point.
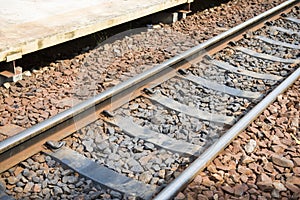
(108, 102)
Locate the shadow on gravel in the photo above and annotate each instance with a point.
(200, 5)
(69, 50)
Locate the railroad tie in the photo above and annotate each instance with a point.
(293, 19)
(266, 56)
(102, 175)
(236, 70)
(287, 31)
(191, 111)
(158, 139)
(222, 88)
(276, 42)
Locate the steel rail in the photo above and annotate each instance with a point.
(202, 161)
(207, 156)
(81, 107)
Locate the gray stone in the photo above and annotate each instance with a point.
(48, 158)
(149, 146)
(65, 179)
(103, 145)
(169, 161)
(126, 142)
(116, 194)
(50, 176)
(51, 163)
(156, 167)
(110, 130)
(114, 157)
(138, 156)
(107, 151)
(90, 134)
(30, 161)
(145, 177)
(95, 195)
(44, 183)
(66, 172)
(72, 179)
(71, 186)
(138, 149)
(79, 183)
(20, 184)
(98, 138)
(157, 160)
(18, 189)
(113, 139)
(279, 186)
(114, 147)
(66, 189)
(132, 162)
(57, 191)
(54, 180)
(275, 194)
(161, 182)
(126, 171)
(26, 173)
(46, 191)
(137, 168)
(61, 184)
(119, 165)
(2, 185)
(110, 164)
(88, 145)
(36, 179)
(124, 154)
(250, 146)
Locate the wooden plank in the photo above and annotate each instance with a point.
(47, 23)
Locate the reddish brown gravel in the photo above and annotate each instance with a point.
(248, 171)
(263, 162)
(44, 93)
(211, 22)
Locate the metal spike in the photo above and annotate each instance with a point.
(149, 91)
(107, 113)
(54, 144)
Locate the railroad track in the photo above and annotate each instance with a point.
(175, 117)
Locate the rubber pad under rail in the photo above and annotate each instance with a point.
(266, 56)
(191, 111)
(222, 88)
(102, 175)
(158, 139)
(236, 70)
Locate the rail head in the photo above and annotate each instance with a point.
(59, 118)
